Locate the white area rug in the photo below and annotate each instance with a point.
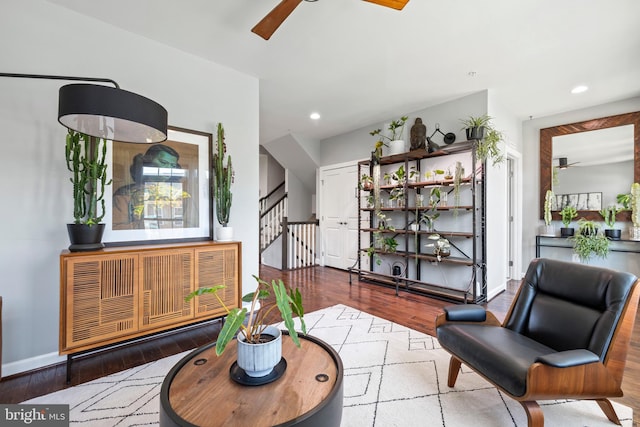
(393, 376)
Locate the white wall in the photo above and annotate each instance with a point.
(43, 38)
(531, 152)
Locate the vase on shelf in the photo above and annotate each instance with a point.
(547, 230)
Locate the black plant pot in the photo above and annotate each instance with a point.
(566, 231)
(613, 234)
(84, 237)
(475, 133)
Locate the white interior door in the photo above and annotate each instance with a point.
(339, 216)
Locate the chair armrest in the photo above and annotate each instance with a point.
(569, 358)
(465, 313)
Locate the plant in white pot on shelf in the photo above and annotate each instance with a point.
(221, 184)
(259, 344)
(394, 140)
(85, 157)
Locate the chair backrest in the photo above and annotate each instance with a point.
(568, 306)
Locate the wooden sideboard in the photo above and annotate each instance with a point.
(120, 293)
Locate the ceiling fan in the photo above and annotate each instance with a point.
(276, 17)
(563, 163)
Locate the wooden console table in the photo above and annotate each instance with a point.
(117, 294)
(200, 391)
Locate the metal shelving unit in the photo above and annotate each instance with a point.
(462, 225)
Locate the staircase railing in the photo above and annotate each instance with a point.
(264, 201)
(271, 222)
(298, 244)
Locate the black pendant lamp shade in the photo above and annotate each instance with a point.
(111, 113)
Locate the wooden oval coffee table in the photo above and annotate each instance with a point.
(199, 391)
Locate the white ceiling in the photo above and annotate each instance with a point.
(358, 63)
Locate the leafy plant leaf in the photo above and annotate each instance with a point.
(232, 323)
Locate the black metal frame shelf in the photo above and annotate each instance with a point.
(475, 258)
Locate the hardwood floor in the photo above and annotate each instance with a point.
(321, 287)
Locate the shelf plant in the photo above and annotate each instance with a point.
(609, 216)
(396, 129)
(252, 322)
(568, 213)
(487, 138)
(86, 160)
(222, 178)
(441, 246)
(588, 241)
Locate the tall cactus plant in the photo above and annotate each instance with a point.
(86, 160)
(222, 179)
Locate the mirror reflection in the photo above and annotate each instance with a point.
(591, 168)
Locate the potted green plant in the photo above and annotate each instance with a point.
(487, 138)
(609, 216)
(221, 184)
(568, 213)
(253, 333)
(588, 241)
(397, 197)
(366, 182)
(394, 140)
(441, 246)
(378, 239)
(85, 156)
(429, 216)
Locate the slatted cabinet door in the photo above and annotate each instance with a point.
(165, 280)
(100, 299)
(217, 266)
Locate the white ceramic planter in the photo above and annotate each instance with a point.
(396, 147)
(224, 234)
(258, 360)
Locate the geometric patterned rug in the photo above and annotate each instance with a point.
(393, 376)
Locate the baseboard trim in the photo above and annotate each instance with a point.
(31, 364)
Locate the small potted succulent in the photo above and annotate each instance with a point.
(254, 334)
(568, 213)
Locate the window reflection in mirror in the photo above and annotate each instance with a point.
(591, 168)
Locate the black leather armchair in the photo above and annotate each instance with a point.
(566, 335)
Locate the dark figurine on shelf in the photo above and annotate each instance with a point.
(418, 134)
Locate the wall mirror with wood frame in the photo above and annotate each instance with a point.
(588, 163)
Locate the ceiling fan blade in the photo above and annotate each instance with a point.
(272, 21)
(394, 4)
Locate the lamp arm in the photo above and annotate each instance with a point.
(50, 77)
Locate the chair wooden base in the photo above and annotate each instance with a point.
(535, 416)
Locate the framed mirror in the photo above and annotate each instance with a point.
(615, 141)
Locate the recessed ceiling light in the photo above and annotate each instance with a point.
(579, 89)
(314, 116)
